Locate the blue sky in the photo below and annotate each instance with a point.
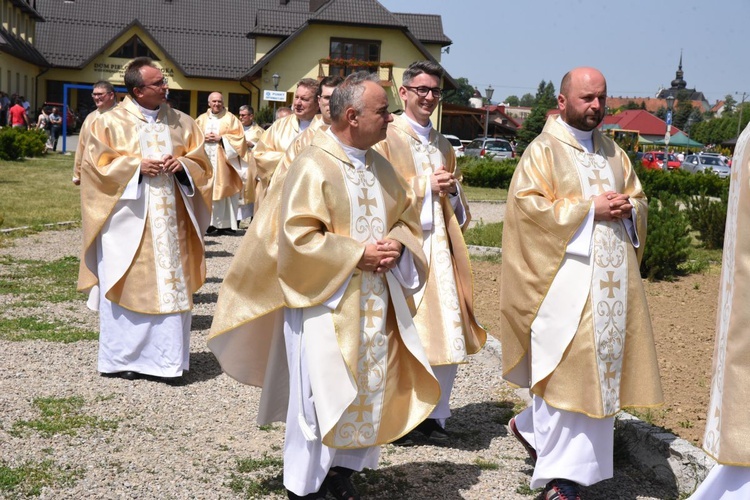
(513, 45)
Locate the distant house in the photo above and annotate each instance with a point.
(468, 122)
(648, 126)
(20, 59)
(234, 47)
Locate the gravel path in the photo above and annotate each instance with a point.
(185, 441)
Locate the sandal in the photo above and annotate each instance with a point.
(339, 484)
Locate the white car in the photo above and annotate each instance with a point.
(458, 146)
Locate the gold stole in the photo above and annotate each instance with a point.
(162, 217)
(427, 158)
(609, 280)
(368, 226)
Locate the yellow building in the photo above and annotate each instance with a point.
(20, 61)
(234, 49)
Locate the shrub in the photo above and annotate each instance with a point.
(668, 242)
(16, 144)
(682, 184)
(708, 217)
(480, 172)
(263, 115)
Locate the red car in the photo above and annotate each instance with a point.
(655, 161)
(71, 117)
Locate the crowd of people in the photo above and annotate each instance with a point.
(350, 299)
(14, 112)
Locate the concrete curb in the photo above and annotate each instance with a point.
(657, 453)
(54, 224)
(477, 251)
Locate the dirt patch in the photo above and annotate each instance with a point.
(684, 317)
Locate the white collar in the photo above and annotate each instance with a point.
(423, 131)
(357, 156)
(582, 136)
(149, 114)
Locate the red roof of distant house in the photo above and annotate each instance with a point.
(634, 119)
(717, 107)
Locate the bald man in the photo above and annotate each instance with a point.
(575, 326)
(226, 148)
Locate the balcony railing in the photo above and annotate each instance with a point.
(343, 67)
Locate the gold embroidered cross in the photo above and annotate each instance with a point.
(598, 181)
(367, 201)
(174, 281)
(611, 284)
(609, 374)
(371, 313)
(156, 143)
(361, 408)
(164, 206)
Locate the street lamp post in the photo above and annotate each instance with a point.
(275, 79)
(739, 123)
(670, 106)
(488, 93)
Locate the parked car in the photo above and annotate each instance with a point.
(706, 164)
(491, 147)
(655, 161)
(458, 146)
(71, 117)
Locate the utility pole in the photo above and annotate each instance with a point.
(739, 123)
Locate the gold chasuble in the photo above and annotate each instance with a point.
(83, 136)
(445, 311)
(298, 144)
(270, 149)
(253, 134)
(149, 228)
(370, 377)
(228, 157)
(575, 328)
(727, 437)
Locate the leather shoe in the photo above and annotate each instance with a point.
(127, 375)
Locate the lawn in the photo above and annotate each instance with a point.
(485, 194)
(38, 191)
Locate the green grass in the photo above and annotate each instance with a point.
(35, 281)
(257, 477)
(38, 191)
(32, 328)
(486, 464)
(484, 194)
(29, 479)
(486, 235)
(61, 416)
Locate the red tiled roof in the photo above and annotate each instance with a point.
(634, 119)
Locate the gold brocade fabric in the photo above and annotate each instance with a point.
(227, 179)
(445, 311)
(83, 135)
(253, 135)
(301, 251)
(546, 205)
(270, 149)
(113, 156)
(298, 144)
(727, 436)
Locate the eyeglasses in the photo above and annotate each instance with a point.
(437, 92)
(161, 83)
(243, 115)
(99, 94)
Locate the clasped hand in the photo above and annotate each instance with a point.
(611, 206)
(380, 256)
(169, 164)
(443, 182)
(212, 137)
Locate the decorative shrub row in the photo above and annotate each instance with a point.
(17, 144)
(481, 172)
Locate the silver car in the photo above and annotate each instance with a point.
(705, 164)
(490, 147)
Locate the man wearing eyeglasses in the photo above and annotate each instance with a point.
(103, 94)
(445, 313)
(253, 132)
(226, 148)
(145, 205)
(273, 144)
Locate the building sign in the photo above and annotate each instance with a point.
(116, 68)
(274, 95)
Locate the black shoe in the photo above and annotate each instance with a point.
(211, 230)
(405, 440)
(433, 430)
(561, 489)
(225, 231)
(321, 493)
(127, 375)
(340, 485)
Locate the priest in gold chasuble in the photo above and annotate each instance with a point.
(727, 436)
(270, 149)
(226, 148)
(445, 313)
(145, 203)
(104, 98)
(253, 133)
(324, 325)
(575, 325)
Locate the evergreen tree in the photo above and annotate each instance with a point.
(544, 101)
(527, 100)
(462, 94)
